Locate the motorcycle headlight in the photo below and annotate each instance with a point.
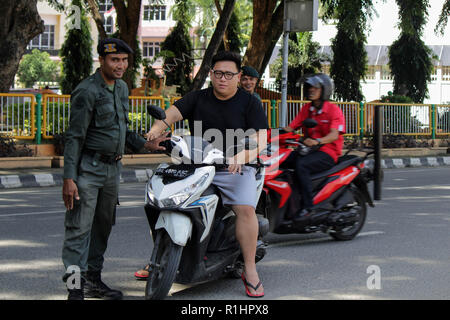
(149, 195)
(179, 198)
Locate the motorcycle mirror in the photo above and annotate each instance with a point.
(156, 112)
(310, 123)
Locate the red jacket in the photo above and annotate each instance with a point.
(329, 117)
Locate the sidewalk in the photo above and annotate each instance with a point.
(30, 178)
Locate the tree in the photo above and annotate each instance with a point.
(304, 58)
(231, 39)
(266, 30)
(177, 47)
(410, 59)
(349, 63)
(213, 45)
(76, 54)
(443, 18)
(19, 24)
(37, 66)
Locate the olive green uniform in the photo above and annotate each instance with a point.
(95, 142)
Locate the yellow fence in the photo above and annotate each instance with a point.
(18, 116)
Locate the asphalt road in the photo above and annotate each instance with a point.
(405, 241)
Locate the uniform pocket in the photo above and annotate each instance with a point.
(105, 115)
(126, 109)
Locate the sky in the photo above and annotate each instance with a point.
(384, 29)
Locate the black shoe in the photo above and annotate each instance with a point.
(303, 216)
(75, 294)
(96, 288)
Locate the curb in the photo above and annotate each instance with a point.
(142, 175)
(56, 179)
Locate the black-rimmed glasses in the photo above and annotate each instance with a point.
(228, 75)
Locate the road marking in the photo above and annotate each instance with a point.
(52, 212)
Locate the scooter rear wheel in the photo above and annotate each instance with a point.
(163, 270)
(351, 232)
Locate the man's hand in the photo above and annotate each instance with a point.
(70, 191)
(235, 163)
(310, 142)
(153, 142)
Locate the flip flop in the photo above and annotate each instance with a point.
(143, 273)
(248, 284)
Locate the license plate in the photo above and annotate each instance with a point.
(175, 173)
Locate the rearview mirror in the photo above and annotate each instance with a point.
(309, 123)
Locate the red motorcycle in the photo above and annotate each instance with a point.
(340, 194)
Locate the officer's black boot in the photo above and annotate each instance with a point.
(77, 294)
(95, 288)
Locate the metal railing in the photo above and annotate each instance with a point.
(23, 116)
(400, 119)
(17, 115)
(56, 114)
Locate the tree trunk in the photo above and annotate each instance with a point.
(19, 24)
(267, 29)
(93, 7)
(213, 45)
(225, 35)
(128, 17)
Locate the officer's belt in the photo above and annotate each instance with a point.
(103, 158)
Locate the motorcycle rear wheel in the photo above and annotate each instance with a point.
(163, 270)
(351, 232)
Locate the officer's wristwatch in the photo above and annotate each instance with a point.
(319, 141)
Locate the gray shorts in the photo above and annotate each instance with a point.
(237, 189)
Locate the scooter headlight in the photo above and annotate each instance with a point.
(149, 195)
(179, 198)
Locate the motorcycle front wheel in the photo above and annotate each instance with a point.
(350, 232)
(163, 270)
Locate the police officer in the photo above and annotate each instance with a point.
(95, 143)
(249, 80)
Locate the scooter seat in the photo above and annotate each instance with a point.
(343, 162)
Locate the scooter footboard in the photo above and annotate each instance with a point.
(177, 225)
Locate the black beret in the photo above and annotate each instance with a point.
(112, 45)
(249, 71)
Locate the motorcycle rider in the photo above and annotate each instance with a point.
(222, 107)
(326, 139)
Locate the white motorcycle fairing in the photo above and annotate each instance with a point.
(177, 225)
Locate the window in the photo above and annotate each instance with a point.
(45, 40)
(109, 25)
(371, 72)
(150, 49)
(108, 22)
(104, 5)
(154, 12)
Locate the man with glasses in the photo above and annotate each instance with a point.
(222, 107)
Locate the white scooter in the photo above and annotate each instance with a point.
(193, 232)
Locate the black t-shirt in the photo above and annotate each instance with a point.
(243, 111)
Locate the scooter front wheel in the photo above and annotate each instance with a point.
(163, 269)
